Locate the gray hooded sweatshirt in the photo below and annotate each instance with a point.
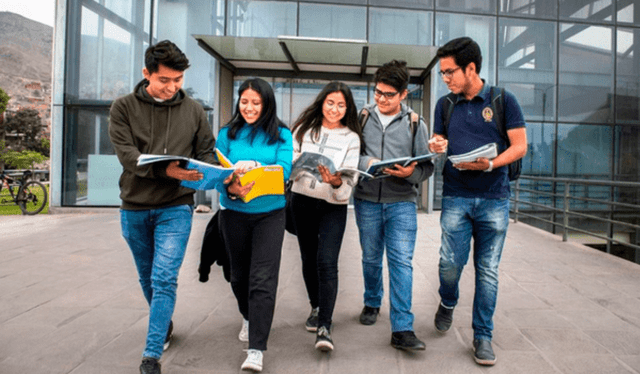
(392, 142)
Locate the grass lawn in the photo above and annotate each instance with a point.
(8, 207)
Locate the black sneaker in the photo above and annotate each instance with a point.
(323, 340)
(167, 339)
(312, 322)
(369, 315)
(407, 340)
(150, 365)
(444, 318)
(483, 352)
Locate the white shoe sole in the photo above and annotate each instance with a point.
(252, 367)
(324, 346)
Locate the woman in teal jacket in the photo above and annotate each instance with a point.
(253, 231)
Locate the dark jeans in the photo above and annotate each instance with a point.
(254, 246)
(320, 229)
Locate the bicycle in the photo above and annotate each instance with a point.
(29, 195)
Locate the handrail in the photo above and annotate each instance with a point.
(566, 211)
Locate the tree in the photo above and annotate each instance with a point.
(4, 100)
(27, 127)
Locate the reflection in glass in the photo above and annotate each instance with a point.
(120, 7)
(411, 4)
(540, 150)
(474, 6)
(265, 19)
(628, 11)
(593, 10)
(390, 26)
(333, 21)
(628, 75)
(627, 153)
(537, 8)
(586, 73)
(584, 151)
(526, 65)
(483, 30)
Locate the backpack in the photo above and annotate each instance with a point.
(497, 102)
(363, 116)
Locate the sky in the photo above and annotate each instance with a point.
(42, 11)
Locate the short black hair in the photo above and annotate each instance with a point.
(165, 53)
(464, 51)
(394, 73)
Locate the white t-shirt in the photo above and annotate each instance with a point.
(385, 120)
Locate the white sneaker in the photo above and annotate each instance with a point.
(253, 361)
(244, 332)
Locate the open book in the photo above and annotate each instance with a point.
(211, 174)
(489, 151)
(376, 169)
(309, 161)
(269, 178)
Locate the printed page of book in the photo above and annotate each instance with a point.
(489, 151)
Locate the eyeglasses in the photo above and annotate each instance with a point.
(448, 73)
(387, 95)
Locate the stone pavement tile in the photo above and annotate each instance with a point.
(124, 349)
(624, 307)
(538, 318)
(512, 362)
(587, 363)
(523, 272)
(560, 296)
(598, 319)
(618, 342)
(570, 342)
(588, 286)
(632, 361)
(511, 339)
(513, 296)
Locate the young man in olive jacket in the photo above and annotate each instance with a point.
(386, 207)
(156, 212)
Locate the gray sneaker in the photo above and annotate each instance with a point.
(444, 318)
(483, 352)
(324, 342)
(312, 322)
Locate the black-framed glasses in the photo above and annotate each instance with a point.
(387, 95)
(448, 73)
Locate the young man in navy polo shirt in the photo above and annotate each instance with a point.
(475, 201)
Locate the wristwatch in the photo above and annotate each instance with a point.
(230, 195)
(490, 167)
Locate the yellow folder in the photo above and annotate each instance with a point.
(269, 179)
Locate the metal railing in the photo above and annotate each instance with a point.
(593, 197)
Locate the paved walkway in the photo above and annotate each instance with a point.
(70, 303)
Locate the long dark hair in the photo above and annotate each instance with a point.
(268, 120)
(311, 118)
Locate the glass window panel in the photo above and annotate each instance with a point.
(473, 6)
(115, 73)
(88, 61)
(540, 152)
(526, 65)
(123, 8)
(629, 11)
(534, 8)
(628, 154)
(585, 73)
(584, 151)
(388, 26)
(263, 19)
(593, 10)
(451, 26)
(177, 21)
(217, 17)
(628, 75)
(361, 2)
(333, 21)
(411, 4)
(92, 169)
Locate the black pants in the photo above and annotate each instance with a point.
(254, 246)
(320, 229)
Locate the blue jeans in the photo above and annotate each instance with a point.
(486, 220)
(394, 226)
(158, 241)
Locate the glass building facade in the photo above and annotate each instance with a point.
(574, 66)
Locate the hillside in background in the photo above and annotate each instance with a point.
(25, 63)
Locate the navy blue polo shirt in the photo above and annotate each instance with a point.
(472, 125)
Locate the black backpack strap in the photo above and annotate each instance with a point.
(497, 102)
(447, 110)
(363, 116)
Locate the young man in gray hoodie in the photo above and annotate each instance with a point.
(156, 211)
(386, 207)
